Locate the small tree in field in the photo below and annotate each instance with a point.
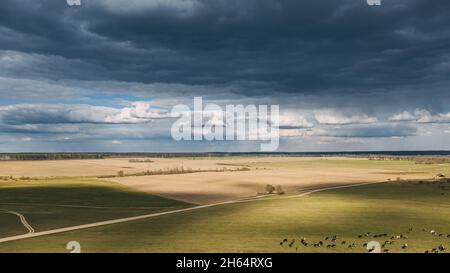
(270, 189)
(279, 189)
(120, 174)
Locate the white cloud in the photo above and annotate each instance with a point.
(21, 114)
(404, 116)
(421, 116)
(338, 140)
(331, 117)
(426, 117)
(294, 121)
(294, 133)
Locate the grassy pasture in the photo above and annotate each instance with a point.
(259, 226)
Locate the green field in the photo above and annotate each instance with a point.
(392, 208)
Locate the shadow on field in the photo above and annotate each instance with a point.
(10, 225)
(83, 195)
(50, 206)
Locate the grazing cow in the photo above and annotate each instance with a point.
(343, 242)
(304, 242)
(360, 236)
(404, 246)
(284, 241)
(441, 248)
(386, 250)
(432, 232)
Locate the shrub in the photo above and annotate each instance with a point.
(270, 189)
(120, 174)
(279, 189)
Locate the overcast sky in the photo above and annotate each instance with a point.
(101, 77)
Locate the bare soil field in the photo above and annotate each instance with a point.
(110, 166)
(95, 167)
(292, 173)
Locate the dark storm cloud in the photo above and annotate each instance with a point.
(302, 46)
(364, 66)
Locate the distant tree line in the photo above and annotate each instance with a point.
(420, 159)
(33, 156)
(416, 159)
(174, 170)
